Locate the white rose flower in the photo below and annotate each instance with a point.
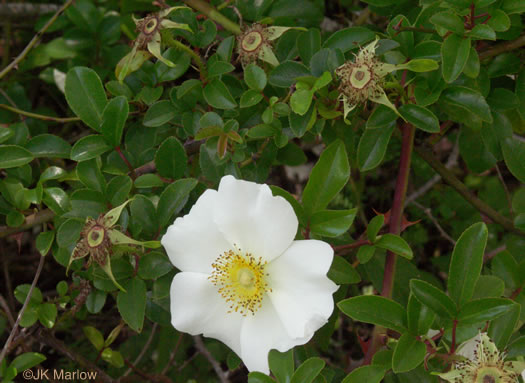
(244, 280)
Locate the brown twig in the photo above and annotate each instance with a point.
(465, 192)
(502, 47)
(143, 351)
(199, 344)
(46, 337)
(30, 221)
(35, 39)
(428, 213)
(23, 309)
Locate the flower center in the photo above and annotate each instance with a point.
(360, 77)
(150, 25)
(95, 236)
(252, 41)
(489, 374)
(241, 280)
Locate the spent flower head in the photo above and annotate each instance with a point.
(148, 42)
(244, 279)
(363, 79)
(255, 43)
(100, 238)
(483, 363)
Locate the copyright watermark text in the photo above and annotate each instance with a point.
(60, 375)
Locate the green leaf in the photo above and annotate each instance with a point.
(482, 32)
(21, 292)
(308, 43)
(282, 365)
(286, 74)
(69, 232)
(366, 374)
(118, 189)
(501, 329)
(468, 99)
(332, 223)
(113, 120)
(374, 226)
(47, 314)
(434, 298)
(372, 148)
(95, 301)
(482, 310)
(454, 55)
(466, 263)
(171, 159)
(342, 272)
(473, 65)
(173, 199)
(408, 354)
(143, 212)
(349, 38)
(159, 114)
(86, 96)
(14, 156)
(514, 155)
(48, 145)
(132, 303)
(250, 98)
(301, 100)
(365, 253)
(255, 77)
(113, 357)
(449, 21)
(327, 178)
(259, 377)
(154, 265)
(395, 244)
(44, 241)
(218, 68)
(419, 316)
(517, 348)
(27, 360)
(90, 175)
(218, 96)
(381, 118)
(308, 371)
(376, 310)
(420, 117)
(89, 147)
(148, 181)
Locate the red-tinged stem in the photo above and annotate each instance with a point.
(454, 327)
(396, 217)
(516, 292)
(398, 205)
(128, 164)
(352, 245)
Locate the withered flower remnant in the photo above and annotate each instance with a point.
(148, 41)
(255, 43)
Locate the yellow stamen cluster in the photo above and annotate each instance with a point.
(241, 280)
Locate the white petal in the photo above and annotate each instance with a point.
(193, 242)
(347, 107)
(260, 333)
(197, 308)
(301, 291)
(253, 219)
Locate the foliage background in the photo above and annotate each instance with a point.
(74, 147)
